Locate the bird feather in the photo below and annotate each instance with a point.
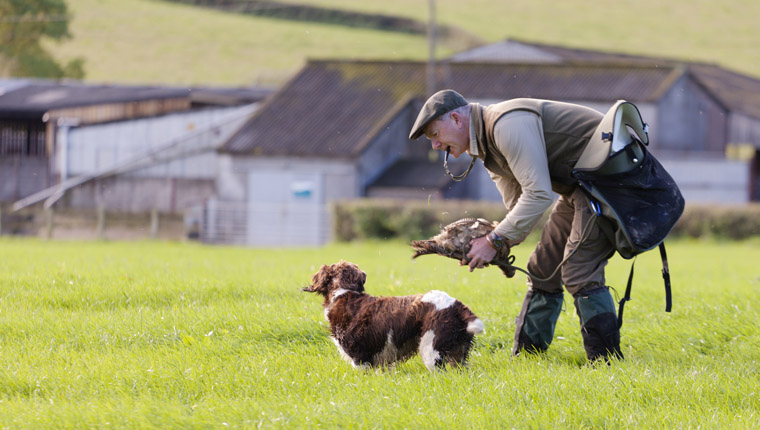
(454, 242)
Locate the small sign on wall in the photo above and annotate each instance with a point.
(302, 189)
(740, 151)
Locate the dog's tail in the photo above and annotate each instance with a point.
(475, 326)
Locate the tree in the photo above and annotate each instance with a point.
(23, 25)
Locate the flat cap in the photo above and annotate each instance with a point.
(437, 105)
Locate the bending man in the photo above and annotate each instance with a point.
(530, 147)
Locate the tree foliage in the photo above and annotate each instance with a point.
(24, 24)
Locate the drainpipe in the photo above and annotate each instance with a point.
(62, 137)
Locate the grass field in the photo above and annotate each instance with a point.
(151, 41)
(170, 335)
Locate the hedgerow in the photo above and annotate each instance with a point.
(388, 218)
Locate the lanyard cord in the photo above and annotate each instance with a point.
(584, 235)
(459, 177)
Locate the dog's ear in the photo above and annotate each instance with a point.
(320, 282)
(350, 277)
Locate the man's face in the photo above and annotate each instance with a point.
(448, 133)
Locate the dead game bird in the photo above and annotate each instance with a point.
(454, 242)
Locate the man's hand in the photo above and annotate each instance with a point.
(481, 253)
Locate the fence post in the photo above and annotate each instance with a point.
(49, 215)
(101, 227)
(154, 223)
(210, 221)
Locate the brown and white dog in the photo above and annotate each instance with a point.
(379, 331)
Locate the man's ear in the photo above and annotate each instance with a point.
(457, 119)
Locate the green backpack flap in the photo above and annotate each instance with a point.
(637, 201)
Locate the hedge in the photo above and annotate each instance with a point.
(723, 222)
(407, 220)
(387, 219)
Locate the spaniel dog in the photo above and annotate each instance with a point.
(380, 331)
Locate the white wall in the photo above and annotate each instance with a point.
(90, 149)
(277, 201)
(744, 129)
(709, 180)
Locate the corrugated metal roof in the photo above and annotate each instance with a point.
(32, 98)
(564, 82)
(330, 107)
(507, 51)
(735, 91)
(519, 51)
(31, 101)
(738, 93)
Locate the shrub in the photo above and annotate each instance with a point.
(407, 220)
(728, 222)
(386, 218)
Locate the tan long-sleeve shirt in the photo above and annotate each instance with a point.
(529, 147)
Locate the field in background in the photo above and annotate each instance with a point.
(150, 41)
(699, 30)
(162, 335)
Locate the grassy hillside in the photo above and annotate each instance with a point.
(144, 41)
(704, 30)
(160, 335)
(154, 41)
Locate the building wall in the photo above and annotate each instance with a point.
(166, 163)
(138, 194)
(709, 180)
(120, 111)
(92, 149)
(689, 120)
(388, 146)
(233, 171)
(21, 176)
(744, 129)
(276, 201)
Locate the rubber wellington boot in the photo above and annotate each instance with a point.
(535, 324)
(599, 325)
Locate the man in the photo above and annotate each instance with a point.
(530, 148)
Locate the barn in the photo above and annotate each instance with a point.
(120, 148)
(338, 130)
(260, 168)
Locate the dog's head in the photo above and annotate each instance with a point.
(342, 274)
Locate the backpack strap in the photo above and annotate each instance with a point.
(665, 277)
(627, 296)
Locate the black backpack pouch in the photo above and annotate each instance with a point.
(638, 203)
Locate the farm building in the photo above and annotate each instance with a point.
(122, 148)
(256, 169)
(339, 129)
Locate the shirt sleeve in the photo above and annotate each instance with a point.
(519, 137)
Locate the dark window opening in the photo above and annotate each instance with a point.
(22, 138)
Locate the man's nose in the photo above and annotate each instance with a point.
(436, 144)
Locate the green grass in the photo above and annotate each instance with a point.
(150, 41)
(166, 335)
(703, 30)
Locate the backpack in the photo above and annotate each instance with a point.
(636, 200)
